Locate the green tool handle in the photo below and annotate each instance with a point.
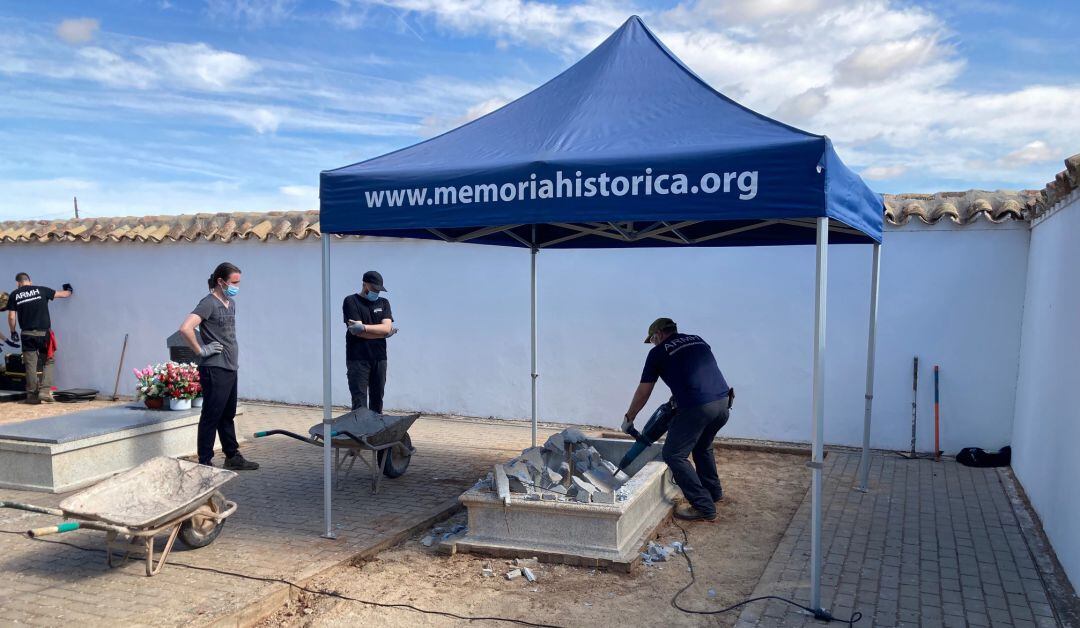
(67, 526)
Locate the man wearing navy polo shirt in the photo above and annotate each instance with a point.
(686, 364)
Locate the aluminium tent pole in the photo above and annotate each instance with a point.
(327, 400)
(535, 375)
(816, 464)
(871, 348)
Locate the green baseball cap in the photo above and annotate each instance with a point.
(660, 325)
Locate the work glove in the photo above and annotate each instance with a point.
(356, 329)
(393, 330)
(13, 342)
(209, 349)
(68, 287)
(627, 425)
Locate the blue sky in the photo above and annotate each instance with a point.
(165, 106)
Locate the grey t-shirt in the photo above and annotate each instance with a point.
(218, 325)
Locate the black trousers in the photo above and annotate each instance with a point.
(218, 412)
(691, 433)
(367, 382)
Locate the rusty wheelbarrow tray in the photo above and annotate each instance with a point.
(385, 436)
(160, 496)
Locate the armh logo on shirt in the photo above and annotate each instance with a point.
(27, 295)
(673, 345)
(377, 310)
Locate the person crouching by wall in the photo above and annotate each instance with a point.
(215, 318)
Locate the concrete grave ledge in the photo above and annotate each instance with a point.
(608, 535)
(70, 451)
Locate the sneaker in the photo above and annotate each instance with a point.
(31, 400)
(238, 463)
(689, 513)
(46, 397)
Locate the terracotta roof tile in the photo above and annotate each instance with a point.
(1065, 183)
(960, 207)
(223, 227)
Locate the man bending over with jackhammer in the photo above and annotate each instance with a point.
(686, 364)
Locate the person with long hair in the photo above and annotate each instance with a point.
(215, 319)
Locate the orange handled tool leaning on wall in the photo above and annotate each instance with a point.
(937, 416)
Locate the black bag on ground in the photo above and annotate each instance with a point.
(73, 395)
(975, 457)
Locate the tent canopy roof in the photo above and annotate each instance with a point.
(627, 147)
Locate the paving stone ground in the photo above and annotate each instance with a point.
(275, 532)
(931, 544)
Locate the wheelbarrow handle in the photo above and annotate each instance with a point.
(67, 526)
(310, 441)
(32, 508)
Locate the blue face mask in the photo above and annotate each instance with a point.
(231, 290)
(372, 296)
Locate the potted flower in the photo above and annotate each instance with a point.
(181, 384)
(149, 387)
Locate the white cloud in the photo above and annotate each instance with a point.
(433, 125)
(802, 107)
(300, 196)
(1032, 152)
(877, 173)
(299, 191)
(261, 120)
(199, 65)
(105, 66)
(78, 30)
(883, 61)
(253, 13)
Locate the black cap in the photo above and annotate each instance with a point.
(375, 279)
(660, 325)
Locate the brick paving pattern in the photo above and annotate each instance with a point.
(274, 533)
(931, 544)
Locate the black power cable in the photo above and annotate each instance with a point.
(819, 613)
(333, 594)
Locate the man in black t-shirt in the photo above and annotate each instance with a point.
(686, 364)
(29, 306)
(370, 322)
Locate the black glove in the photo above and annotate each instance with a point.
(15, 336)
(68, 287)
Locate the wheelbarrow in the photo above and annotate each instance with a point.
(162, 496)
(362, 430)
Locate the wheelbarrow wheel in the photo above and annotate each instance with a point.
(399, 458)
(199, 531)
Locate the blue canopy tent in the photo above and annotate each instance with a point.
(626, 148)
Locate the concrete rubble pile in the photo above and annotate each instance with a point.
(566, 468)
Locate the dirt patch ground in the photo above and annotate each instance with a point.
(14, 411)
(763, 491)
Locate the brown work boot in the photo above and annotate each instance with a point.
(689, 513)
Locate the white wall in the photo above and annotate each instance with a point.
(951, 295)
(1046, 431)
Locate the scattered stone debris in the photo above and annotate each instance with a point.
(488, 572)
(527, 562)
(443, 533)
(656, 553)
(566, 468)
(513, 573)
(529, 575)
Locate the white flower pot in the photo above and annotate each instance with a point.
(179, 404)
(196, 402)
